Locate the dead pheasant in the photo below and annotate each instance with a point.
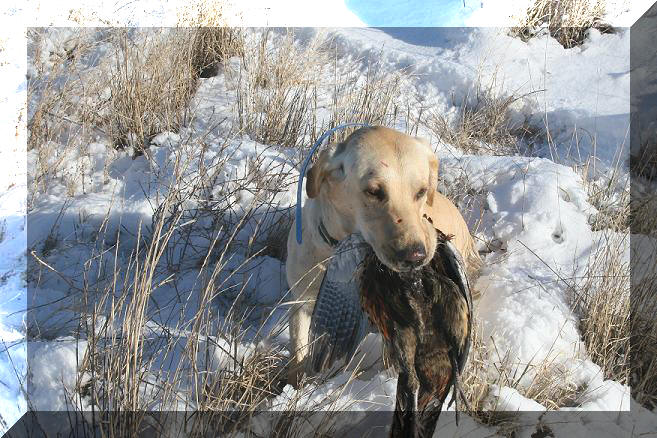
(424, 317)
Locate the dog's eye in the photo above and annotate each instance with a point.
(375, 192)
(420, 193)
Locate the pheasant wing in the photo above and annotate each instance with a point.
(338, 323)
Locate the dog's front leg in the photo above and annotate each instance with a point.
(299, 329)
(305, 293)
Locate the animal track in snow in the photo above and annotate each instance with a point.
(558, 234)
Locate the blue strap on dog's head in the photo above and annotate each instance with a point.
(305, 166)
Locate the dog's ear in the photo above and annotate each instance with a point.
(323, 169)
(433, 171)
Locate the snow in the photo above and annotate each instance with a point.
(510, 400)
(553, 84)
(517, 288)
(13, 195)
(536, 208)
(53, 388)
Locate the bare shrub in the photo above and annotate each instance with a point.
(567, 21)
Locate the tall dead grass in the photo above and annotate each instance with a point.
(124, 85)
(567, 21)
(289, 92)
(150, 86)
(548, 384)
(601, 299)
(200, 362)
(643, 161)
(615, 295)
(375, 99)
(643, 200)
(484, 123)
(615, 302)
(277, 86)
(643, 335)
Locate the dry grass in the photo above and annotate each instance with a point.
(643, 202)
(276, 89)
(141, 89)
(289, 92)
(601, 299)
(609, 193)
(643, 337)
(616, 330)
(614, 306)
(211, 46)
(375, 99)
(134, 364)
(567, 21)
(483, 124)
(643, 162)
(642, 217)
(155, 77)
(149, 88)
(617, 311)
(57, 114)
(548, 385)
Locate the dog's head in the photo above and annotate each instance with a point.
(380, 181)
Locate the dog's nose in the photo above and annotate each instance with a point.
(412, 255)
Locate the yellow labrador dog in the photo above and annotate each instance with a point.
(381, 183)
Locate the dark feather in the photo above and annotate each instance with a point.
(424, 316)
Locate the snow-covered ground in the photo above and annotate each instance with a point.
(536, 207)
